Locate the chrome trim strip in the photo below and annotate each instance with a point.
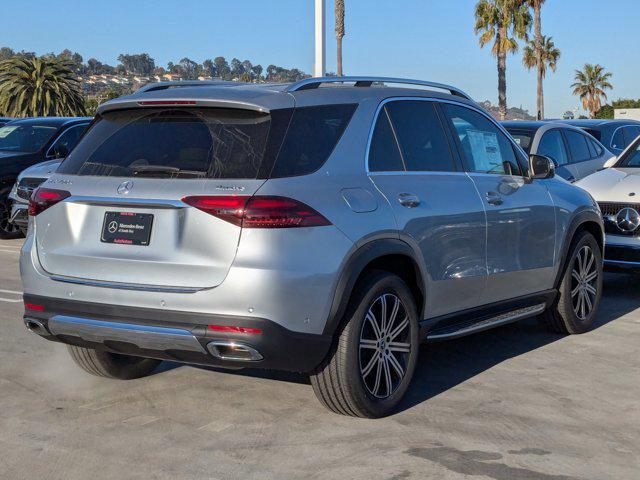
(143, 336)
(125, 286)
(122, 201)
(309, 83)
(496, 321)
(624, 262)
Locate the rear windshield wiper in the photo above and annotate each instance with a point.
(164, 171)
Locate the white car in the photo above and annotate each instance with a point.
(617, 191)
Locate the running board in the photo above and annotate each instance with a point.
(496, 321)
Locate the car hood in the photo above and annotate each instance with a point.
(41, 170)
(11, 155)
(613, 185)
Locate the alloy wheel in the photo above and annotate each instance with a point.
(584, 282)
(385, 345)
(5, 214)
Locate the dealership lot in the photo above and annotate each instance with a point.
(511, 403)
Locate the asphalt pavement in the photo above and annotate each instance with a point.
(508, 404)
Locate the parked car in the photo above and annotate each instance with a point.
(26, 142)
(615, 135)
(575, 153)
(26, 183)
(302, 227)
(617, 191)
(4, 120)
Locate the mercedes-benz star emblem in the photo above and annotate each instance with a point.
(628, 219)
(113, 226)
(124, 188)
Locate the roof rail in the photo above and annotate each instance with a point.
(152, 87)
(312, 83)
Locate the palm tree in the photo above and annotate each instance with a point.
(502, 22)
(36, 87)
(541, 54)
(339, 14)
(536, 5)
(590, 85)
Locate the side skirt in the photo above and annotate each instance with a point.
(476, 320)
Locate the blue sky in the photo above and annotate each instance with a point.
(428, 39)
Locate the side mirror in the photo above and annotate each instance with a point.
(610, 163)
(541, 167)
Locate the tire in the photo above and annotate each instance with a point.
(7, 230)
(112, 365)
(361, 375)
(569, 314)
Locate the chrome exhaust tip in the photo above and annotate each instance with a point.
(35, 326)
(235, 351)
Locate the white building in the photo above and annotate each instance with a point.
(627, 113)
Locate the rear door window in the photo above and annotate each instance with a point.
(577, 146)
(421, 137)
(552, 145)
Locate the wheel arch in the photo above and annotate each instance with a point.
(392, 255)
(585, 221)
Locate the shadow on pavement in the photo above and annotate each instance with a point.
(443, 365)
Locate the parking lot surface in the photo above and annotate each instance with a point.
(508, 404)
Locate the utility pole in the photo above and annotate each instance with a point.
(320, 64)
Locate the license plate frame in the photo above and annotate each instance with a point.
(127, 228)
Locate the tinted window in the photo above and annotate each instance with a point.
(384, 155)
(630, 134)
(422, 140)
(65, 142)
(311, 137)
(195, 143)
(485, 148)
(632, 157)
(25, 138)
(577, 146)
(522, 138)
(618, 139)
(594, 133)
(596, 147)
(551, 145)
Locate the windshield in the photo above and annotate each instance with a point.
(631, 159)
(522, 138)
(25, 138)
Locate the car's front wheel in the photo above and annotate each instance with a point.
(580, 288)
(370, 367)
(112, 365)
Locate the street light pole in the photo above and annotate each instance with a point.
(320, 64)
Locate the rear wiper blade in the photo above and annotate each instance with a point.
(152, 170)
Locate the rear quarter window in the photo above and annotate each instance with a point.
(310, 139)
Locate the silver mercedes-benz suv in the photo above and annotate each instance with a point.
(327, 226)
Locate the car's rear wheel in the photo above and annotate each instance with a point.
(371, 364)
(580, 288)
(112, 365)
(7, 229)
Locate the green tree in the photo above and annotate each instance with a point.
(590, 85)
(36, 87)
(503, 23)
(540, 54)
(339, 14)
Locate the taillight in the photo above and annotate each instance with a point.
(260, 211)
(34, 307)
(44, 198)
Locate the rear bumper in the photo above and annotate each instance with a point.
(177, 336)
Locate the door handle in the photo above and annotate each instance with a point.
(408, 200)
(493, 198)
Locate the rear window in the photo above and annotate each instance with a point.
(208, 143)
(522, 138)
